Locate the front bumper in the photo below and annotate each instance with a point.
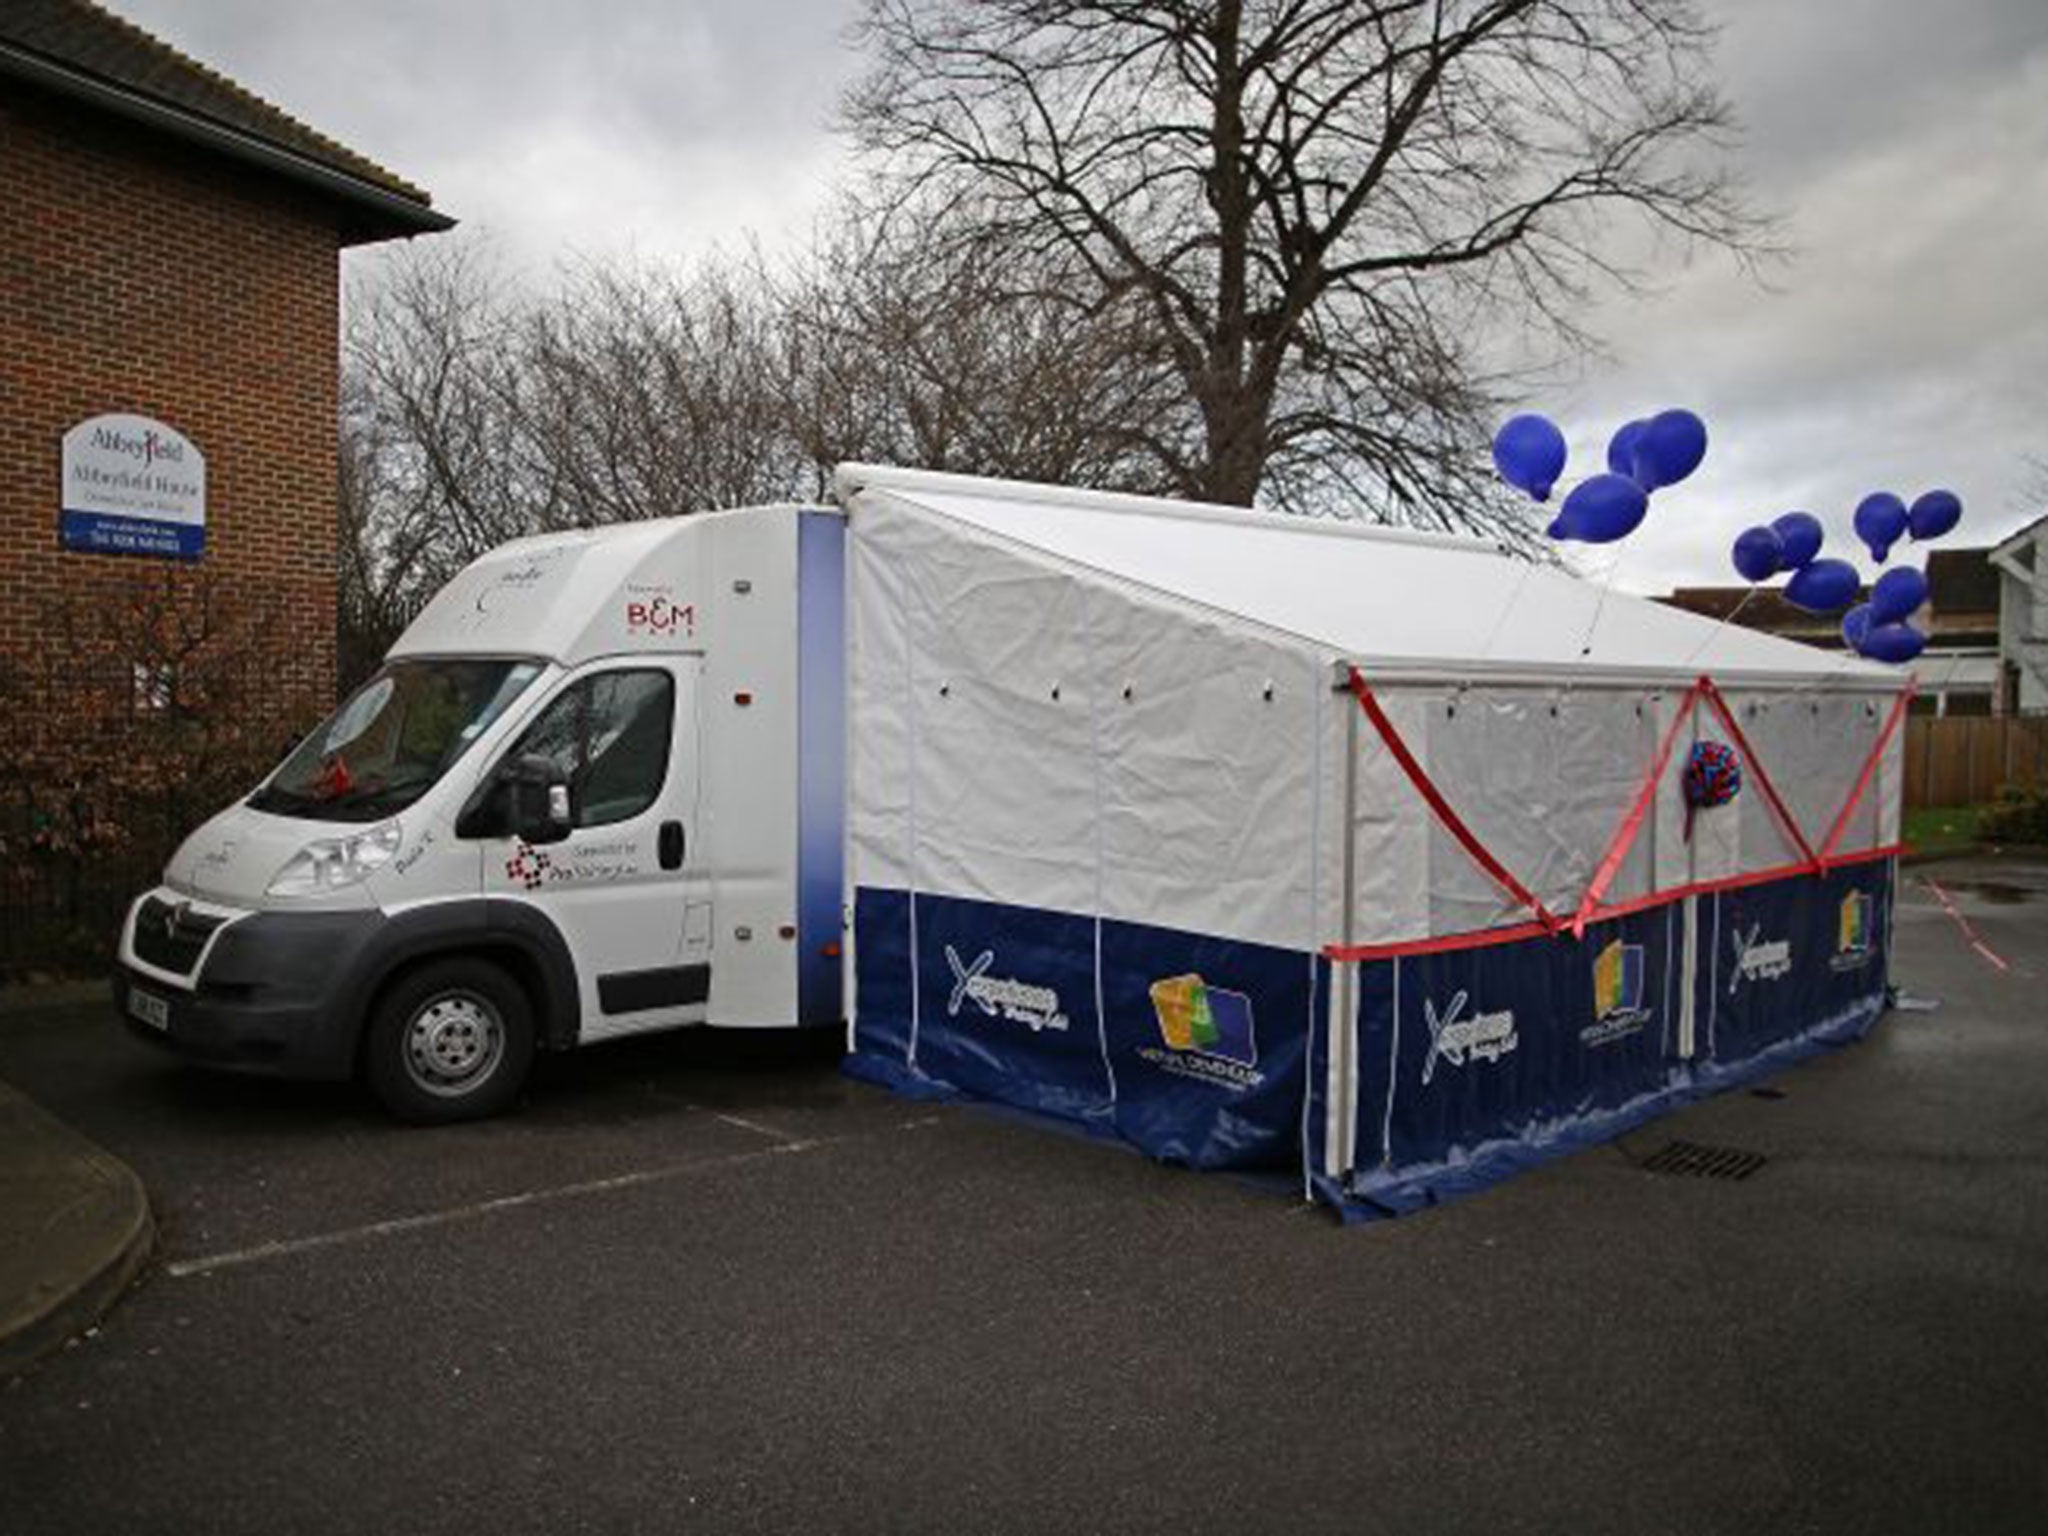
(269, 992)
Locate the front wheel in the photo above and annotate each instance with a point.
(450, 1041)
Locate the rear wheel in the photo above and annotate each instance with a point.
(450, 1041)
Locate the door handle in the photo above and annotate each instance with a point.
(669, 846)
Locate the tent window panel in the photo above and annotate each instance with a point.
(1543, 778)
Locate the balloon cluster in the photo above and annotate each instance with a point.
(1648, 454)
(1878, 628)
(1643, 456)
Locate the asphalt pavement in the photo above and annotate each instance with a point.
(700, 1283)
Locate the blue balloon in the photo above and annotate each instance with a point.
(1880, 523)
(1801, 534)
(1757, 554)
(1822, 586)
(1670, 448)
(1897, 595)
(1601, 510)
(1621, 448)
(1855, 625)
(1934, 514)
(1893, 642)
(1528, 451)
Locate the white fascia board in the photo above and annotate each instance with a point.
(2005, 554)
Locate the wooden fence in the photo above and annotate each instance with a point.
(1966, 760)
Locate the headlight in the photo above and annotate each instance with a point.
(329, 863)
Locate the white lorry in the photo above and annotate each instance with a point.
(595, 789)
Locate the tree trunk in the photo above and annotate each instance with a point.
(1234, 426)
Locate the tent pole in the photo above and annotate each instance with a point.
(1342, 1090)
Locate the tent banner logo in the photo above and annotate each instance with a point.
(1037, 1008)
(1457, 1039)
(1208, 1033)
(1617, 995)
(1757, 958)
(1852, 932)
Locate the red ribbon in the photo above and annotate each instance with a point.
(1756, 771)
(1481, 938)
(1441, 807)
(1625, 835)
(1870, 763)
(1591, 907)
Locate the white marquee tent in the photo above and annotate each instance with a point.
(1257, 840)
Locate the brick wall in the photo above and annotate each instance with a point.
(139, 274)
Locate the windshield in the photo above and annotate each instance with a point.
(392, 740)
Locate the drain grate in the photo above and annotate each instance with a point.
(1692, 1159)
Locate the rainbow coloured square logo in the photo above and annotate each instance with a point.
(1209, 1021)
(1852, 933)
(1618, 981)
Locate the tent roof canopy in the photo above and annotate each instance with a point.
(1396, 602)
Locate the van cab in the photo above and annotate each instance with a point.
(595, 789)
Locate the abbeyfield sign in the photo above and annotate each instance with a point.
(133, 486)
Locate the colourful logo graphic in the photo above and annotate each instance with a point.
(1194, 1016)
(1853, 931)
(1618, 1010)
(1618, 980)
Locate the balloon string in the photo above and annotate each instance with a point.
(1726, 619)
(1586, 645)
(1500, 621)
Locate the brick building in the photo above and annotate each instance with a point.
(169, 259)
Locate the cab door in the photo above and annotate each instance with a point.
(624, 886)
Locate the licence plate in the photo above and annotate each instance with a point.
(147, 1006)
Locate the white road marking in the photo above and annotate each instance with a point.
(288, 1247)
(753, 1125)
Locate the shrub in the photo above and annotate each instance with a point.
(2018, 815)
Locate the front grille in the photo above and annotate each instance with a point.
(171, 937)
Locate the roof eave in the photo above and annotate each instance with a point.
(2005, 553)
(374, 212)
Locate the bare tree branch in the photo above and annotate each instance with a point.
(1317, 206)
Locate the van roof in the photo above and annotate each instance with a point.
(570, 596)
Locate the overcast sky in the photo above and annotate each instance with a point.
(1905, 142)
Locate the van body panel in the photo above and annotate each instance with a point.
(750, 746)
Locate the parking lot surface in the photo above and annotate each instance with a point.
(705, 1283)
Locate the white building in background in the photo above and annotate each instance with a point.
(2022, 565)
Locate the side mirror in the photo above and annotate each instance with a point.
(537, 800)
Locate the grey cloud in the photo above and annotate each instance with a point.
(1906, 345)
(600, 126)
(1906, 142)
